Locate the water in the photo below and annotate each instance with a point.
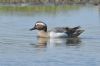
(21, 47)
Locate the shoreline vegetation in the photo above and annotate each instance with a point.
(47, 2)
(38, 8)
(43, 5)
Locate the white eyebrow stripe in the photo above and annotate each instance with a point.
(40, 24)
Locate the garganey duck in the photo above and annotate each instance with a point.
(56, 32)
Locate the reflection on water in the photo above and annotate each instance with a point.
(73, 41)
(42, 43)
(56, 42)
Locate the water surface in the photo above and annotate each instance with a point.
(21, 47)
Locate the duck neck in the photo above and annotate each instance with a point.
(45, 29)
(43, 34)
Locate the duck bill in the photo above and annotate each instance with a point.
(32, 28)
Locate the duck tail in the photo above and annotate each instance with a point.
(78, 32)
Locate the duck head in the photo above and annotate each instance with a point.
(39, 25)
